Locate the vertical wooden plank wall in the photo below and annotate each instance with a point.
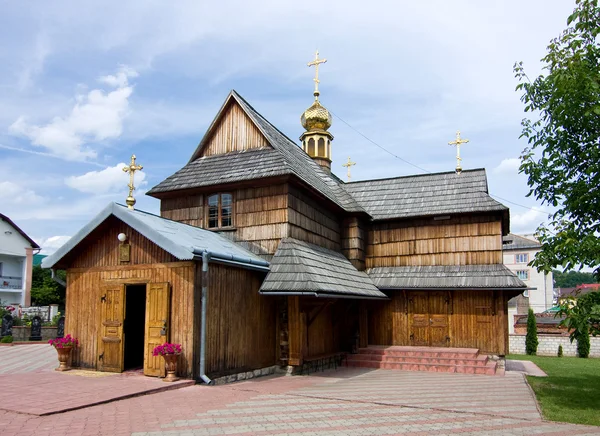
(477, 319)
(241, 324)
(311, 222)
(470, 240)
(83, 305)
(235, 132)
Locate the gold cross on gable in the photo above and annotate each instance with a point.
(131, 169)
(316, 63)
(457, 142)
(348, 165)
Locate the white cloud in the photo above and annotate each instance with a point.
(51, 244)
(13, 194)
(508, 166)
(97, 116)
(527, 221)
(110, 179)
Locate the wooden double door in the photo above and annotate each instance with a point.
(428, 318)
(111, 334)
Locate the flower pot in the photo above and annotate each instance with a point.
(63, 358)
(171, 367)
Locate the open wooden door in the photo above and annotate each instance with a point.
(110, 342)
(158, 308)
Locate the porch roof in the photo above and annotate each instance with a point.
(301, 268)
(487, 277)
(183, 241)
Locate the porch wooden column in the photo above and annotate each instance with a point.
(296, 330)
(363, 325)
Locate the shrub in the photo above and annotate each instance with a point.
(55, 319)
(583, 345)
(560, 351)
(17, 322)
(6, 340)
(531, 340)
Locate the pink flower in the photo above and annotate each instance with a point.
(166, 348)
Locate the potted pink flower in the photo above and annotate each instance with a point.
(63, 347)
(170, 352)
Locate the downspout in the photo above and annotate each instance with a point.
(56, 279)
(203, 375)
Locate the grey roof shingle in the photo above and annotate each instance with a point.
(286, 158)
(183, 241)
(425, 195)
(300, 267)
(516, 242)
(446, 277)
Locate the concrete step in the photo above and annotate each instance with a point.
(480, 360)
(488, 369)
(402, 351)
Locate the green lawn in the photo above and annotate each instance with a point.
(571, 392)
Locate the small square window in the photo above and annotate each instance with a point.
(523, 275)
(522, 258)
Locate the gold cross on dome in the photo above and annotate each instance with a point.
(131, 169)
(348, 165)
(316, 63)
(457, 142)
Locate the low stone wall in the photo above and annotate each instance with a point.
(247, 375)
(21, 333)
(548, 345)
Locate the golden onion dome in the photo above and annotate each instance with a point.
(316, 117)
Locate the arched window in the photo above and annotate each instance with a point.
(321, 147)
(311, 147)
(220, 211)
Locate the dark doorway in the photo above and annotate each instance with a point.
(135, 326)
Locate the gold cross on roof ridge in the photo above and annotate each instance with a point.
(316, 63)
(131, 169)
(457, 142)
(348, 165)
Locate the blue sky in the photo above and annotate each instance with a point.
(84, 85)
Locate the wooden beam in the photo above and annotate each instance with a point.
(296, 331)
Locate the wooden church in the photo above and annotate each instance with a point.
(261, 256)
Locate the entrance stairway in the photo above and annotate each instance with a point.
(458, 360)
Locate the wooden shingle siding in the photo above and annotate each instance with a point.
(236, 132)
(354, 239)
(467, 240)
(312, 223)
(188, 209)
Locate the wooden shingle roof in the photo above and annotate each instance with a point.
(301, 268)
(490, 277)
(285, 158)
(425, 195)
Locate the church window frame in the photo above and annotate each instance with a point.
(312, 147)
(219, 211)
(321, 152)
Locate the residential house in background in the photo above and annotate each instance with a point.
(518, 251)
(16, 263)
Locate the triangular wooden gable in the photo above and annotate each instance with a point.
(231, 130)
(101, 248)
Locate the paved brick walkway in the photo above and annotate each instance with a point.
(20, 359)
(343, 402)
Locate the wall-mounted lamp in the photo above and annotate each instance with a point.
(124, 248)
(8, 232)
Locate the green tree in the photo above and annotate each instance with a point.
(44, 290)
(531, 339)
(583, 344)
(562, 158)
(572, 279)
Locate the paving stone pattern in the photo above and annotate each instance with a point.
(19, 359)
(351, 401)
